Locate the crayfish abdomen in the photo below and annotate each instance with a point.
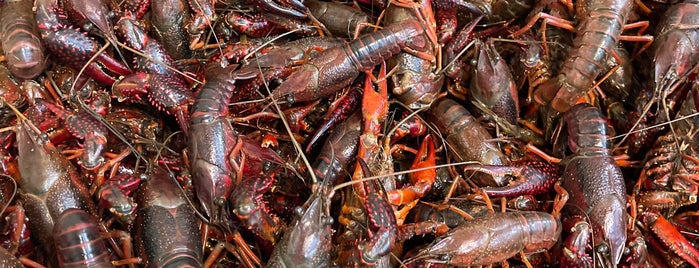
(594, 180)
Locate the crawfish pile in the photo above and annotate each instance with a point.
(399, 133)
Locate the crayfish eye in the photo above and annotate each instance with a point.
(87, 27)
(244, 210)
(219, 202)
(290, 99)
(298, 211)
(125, 208)
(266, 166)
(603, 248)
(328, 220)
(84, 93)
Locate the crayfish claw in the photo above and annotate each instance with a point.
(271, 6)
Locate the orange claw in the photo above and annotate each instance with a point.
(670, 237)
(375, 104)
(374, 112)
(422, 180)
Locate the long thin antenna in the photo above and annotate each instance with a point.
(348, 183)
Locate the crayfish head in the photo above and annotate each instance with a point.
(673, 61)
(609, 218)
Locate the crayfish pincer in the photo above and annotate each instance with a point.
(594, 181)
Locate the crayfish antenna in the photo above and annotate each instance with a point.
(113, 40)
(21, 117)
(182, 117)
